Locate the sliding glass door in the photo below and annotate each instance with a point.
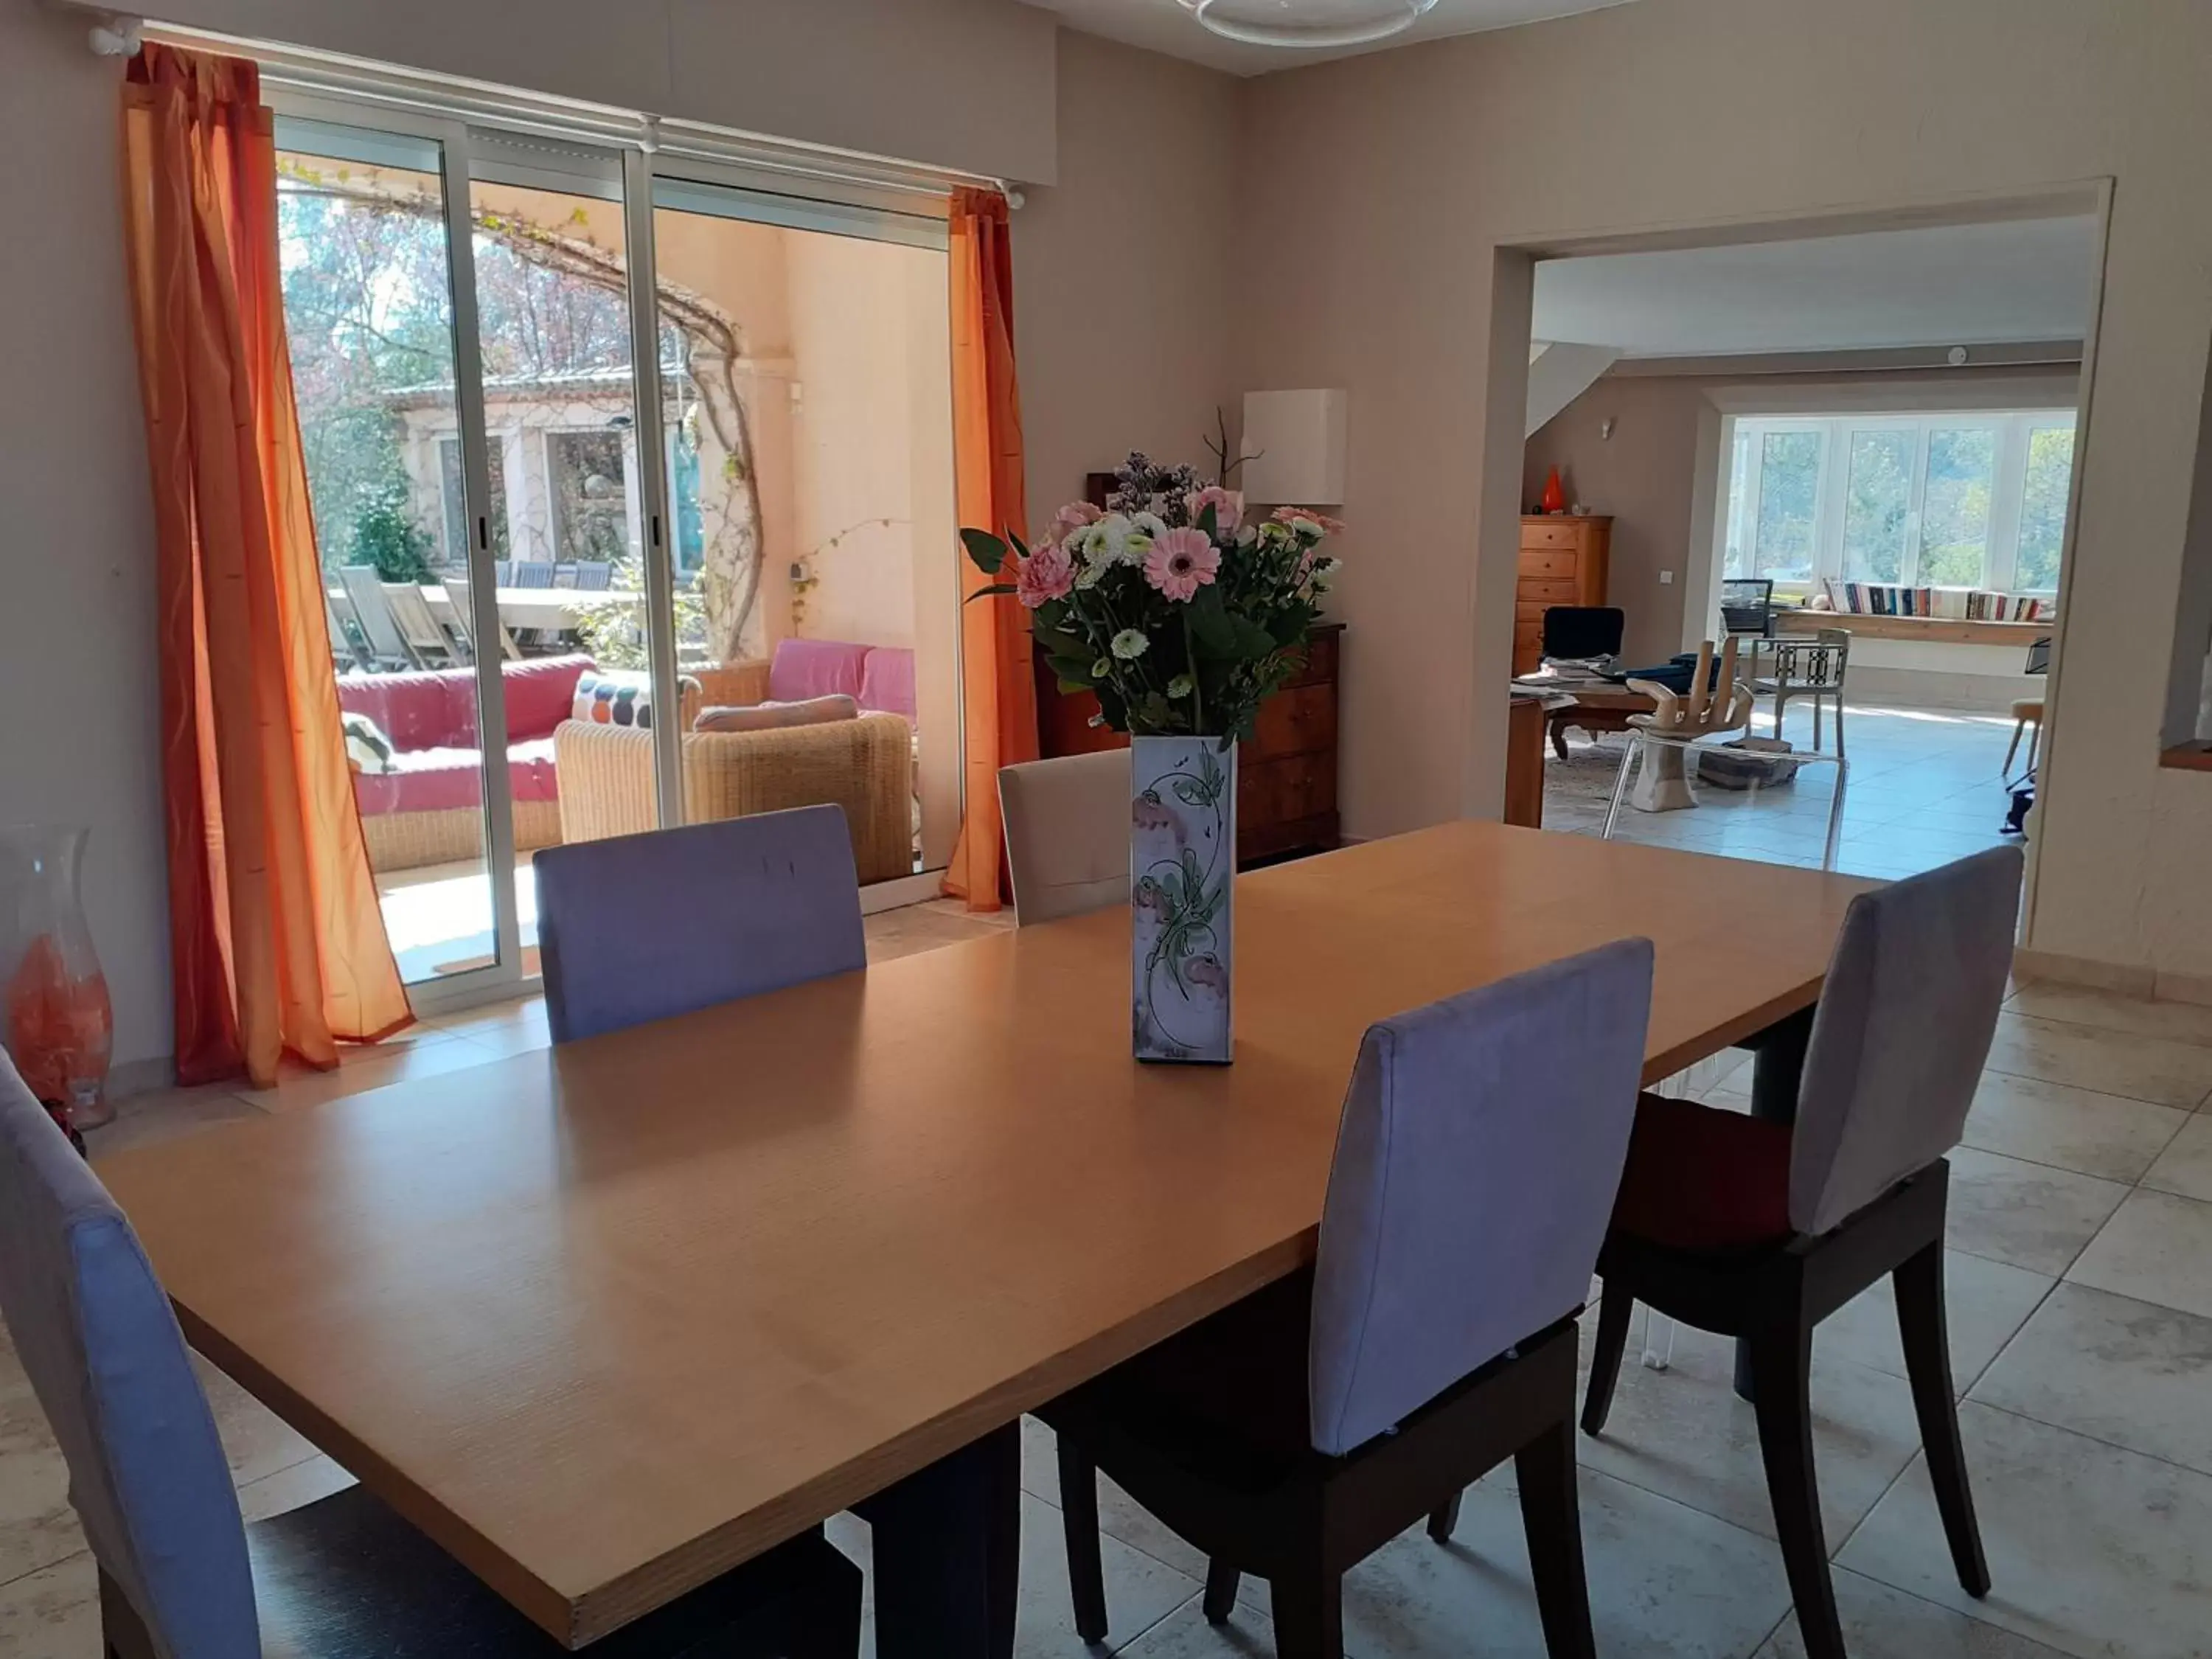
(805, 371)
(598, 444)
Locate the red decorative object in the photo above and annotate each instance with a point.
(1555, 497)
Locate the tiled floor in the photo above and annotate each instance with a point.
(2081, 1283)
(1925, 787)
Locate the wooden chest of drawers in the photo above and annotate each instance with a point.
(1563, 561)
(1285, 776)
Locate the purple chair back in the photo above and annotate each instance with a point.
(645, 927)
(802, 669)
(95, 1336)
(1477, 1163)
(1905, 1024)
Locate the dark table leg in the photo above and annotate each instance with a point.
(1778, 1067)
(947, 1554)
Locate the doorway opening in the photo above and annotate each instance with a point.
(1853, 453)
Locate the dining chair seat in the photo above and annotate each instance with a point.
(1700, 1178)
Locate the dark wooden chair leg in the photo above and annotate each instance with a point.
(1078, 1512)
(1443, 1520)
(1922, 1325)
(1781, 1362)
(1545, 1470)
(1614, 1308)
(1308, 1614)
(1221, 1583)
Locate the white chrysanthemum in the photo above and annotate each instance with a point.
(1107, 542)
(1149, 525)
(1180, 687)
(1130, 644)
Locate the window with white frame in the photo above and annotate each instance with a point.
(1974, 499)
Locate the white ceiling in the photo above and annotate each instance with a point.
(1978, 285)
(1167, 26)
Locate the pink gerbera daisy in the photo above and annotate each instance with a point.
(1180, 561)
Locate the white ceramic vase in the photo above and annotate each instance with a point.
(1183, 863)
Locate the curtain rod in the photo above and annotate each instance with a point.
(114, 34)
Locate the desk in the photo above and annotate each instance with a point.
(608, 1321)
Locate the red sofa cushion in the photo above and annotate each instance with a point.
(1700, 1178)
(439, 779)
(538, 694)
(434, 709)
(437, 708)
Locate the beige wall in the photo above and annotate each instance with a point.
(958, 83)
(1127, 281)
(1408, 171)
(1647, 475)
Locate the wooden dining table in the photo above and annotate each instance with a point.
(610, 1320)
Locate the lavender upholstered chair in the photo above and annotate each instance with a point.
(1067, 833)
(182, 1577)
(645, 927)
(1300, 1429)
(1760, 1229)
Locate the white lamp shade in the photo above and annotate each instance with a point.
(1296, 439)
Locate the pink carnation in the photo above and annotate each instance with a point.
(1046, 573)
(1228, 507)
(1329, 526)
(1179, 562)
(1072, 518)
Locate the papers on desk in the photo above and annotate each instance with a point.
(1564, 674)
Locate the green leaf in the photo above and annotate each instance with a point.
(1020, 546)
(1069, 688)
(1210, 521)
(985, 592)
(988, 552)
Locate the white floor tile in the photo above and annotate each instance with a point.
(2158, 1249)
(2071, 1128)
(2029, 1215)
(1987, 1303)
(2115, 1369)
(1882, 1623)
(2092, 1550)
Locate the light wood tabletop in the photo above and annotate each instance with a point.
(607, 1321)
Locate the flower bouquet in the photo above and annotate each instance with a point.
(1182, 619)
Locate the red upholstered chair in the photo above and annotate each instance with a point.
(1761, 1230)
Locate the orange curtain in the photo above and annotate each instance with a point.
(998, 693)
(277, 942)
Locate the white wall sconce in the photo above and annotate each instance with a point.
(1296, 442)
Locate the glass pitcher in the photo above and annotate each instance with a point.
(55, 1017)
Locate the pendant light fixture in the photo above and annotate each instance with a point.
(1308, 23)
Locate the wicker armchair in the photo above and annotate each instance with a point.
(864, 765)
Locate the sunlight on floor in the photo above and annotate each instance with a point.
(439, 917)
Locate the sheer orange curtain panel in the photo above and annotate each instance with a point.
(998, 691)
(276, 942)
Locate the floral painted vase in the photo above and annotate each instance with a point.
(1183, 863)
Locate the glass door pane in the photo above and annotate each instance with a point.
(1954, 518)
(553, 335)
(805, 353)
(1878, 505)
(368, 310)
